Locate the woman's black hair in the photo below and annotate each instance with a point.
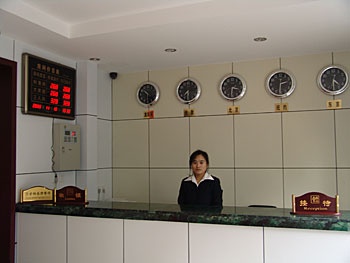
(199, 152)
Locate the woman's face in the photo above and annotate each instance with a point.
(199, 166)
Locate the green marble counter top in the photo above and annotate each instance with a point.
(228, 215)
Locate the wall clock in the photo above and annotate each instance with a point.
(280, 83)
(232, 87)
(147, 93)
(188, 90)
(333, 80)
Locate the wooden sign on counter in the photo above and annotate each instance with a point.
(315, 203)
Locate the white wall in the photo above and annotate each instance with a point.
(34, 136)
(261, 157)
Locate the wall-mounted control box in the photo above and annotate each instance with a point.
(66, 147)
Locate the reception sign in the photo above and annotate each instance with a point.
(315, 203)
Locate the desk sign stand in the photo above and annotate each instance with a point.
(315, 203)
(38, 195)
(69, 195)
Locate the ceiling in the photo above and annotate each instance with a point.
(131, 35)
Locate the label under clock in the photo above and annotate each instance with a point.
(48, 88)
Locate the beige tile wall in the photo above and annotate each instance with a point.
(261, 157)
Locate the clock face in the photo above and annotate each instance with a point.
(147, 93)
(333, 80)
(280, 83)
(188, 91)
(232, 87)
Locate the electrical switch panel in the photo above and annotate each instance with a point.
(66, 147)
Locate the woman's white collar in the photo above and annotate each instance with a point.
(206, 176)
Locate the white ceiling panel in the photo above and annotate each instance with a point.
(131, 35)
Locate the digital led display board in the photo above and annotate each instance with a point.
(48, 88)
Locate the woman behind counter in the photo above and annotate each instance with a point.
(200, 188)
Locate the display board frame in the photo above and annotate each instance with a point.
(48, 88)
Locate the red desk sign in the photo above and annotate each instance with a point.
(71, 195)
(315, 203)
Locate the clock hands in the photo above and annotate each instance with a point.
(187, 94)
(334, 82)
(233, 88)
(280, 87)
(147, 94)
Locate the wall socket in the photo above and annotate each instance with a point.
(101, 191)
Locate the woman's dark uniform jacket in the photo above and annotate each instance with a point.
(207, 193)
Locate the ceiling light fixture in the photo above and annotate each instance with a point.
(170, 50)
(260, 39)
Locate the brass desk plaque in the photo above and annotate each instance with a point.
(315, 203)
(38, 194)
(71, 195)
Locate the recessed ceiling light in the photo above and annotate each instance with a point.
(94, 59)
(170, 50)
(260, 39)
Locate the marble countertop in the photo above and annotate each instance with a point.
(228, 215)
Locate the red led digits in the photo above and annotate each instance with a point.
(66, 89)
(54, 101)
(54, 86)
(66, 111)
(53, 93)
(66, 96)
(36, 106)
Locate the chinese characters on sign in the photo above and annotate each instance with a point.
(281, 107)
(189, 112)
(49, 88)
(233, 110)
(148, 114)
(71, 195)
(315, 203)
(37, 194)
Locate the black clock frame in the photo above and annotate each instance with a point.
(154, 96)
(189, 86)
(340, 77)
(285, 77)
(242, 87)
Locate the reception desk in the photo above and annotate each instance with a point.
(128, 232)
